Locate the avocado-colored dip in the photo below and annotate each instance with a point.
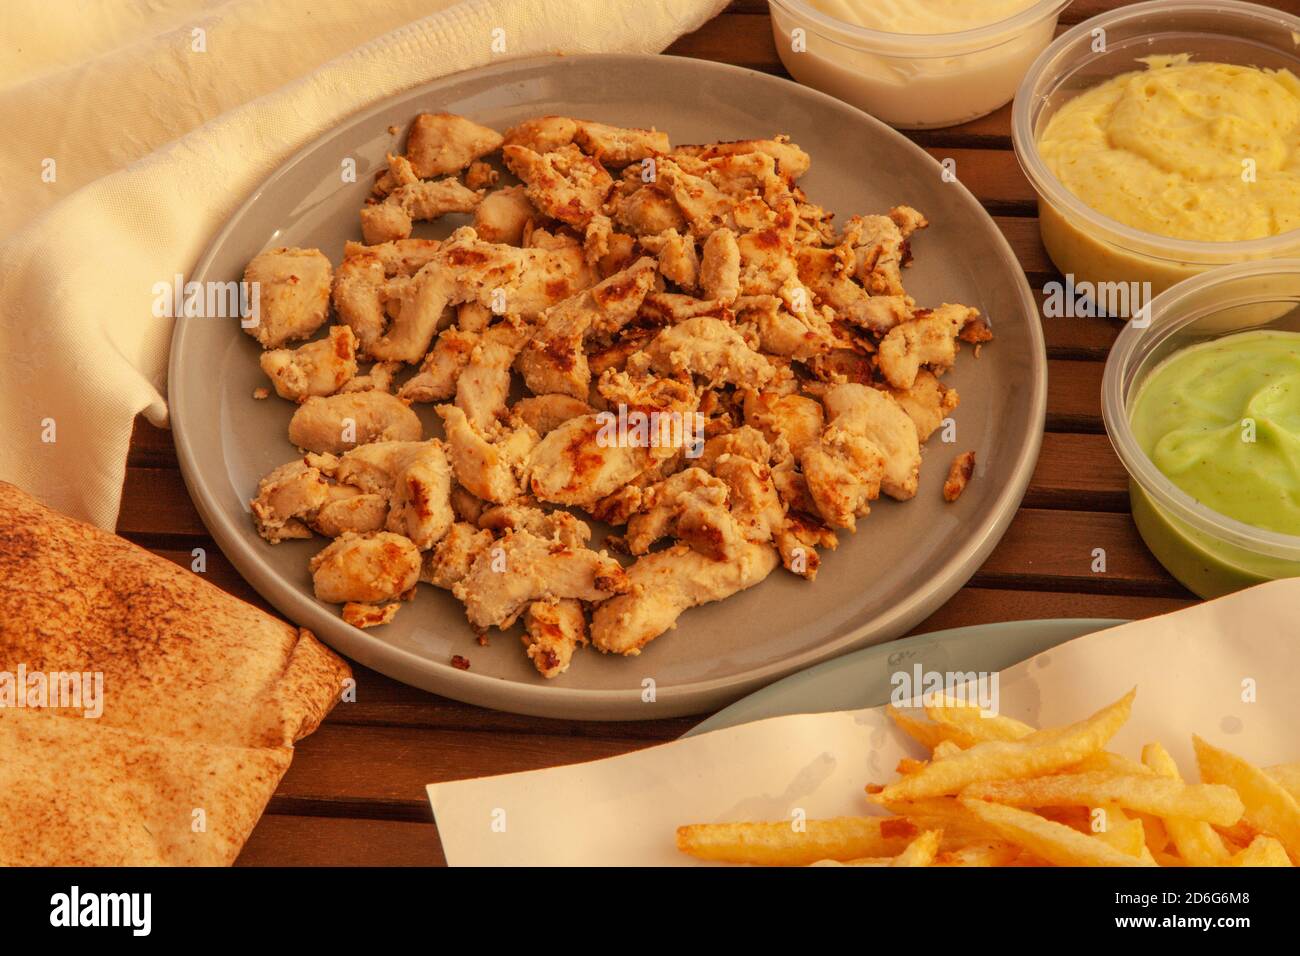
(1222, 421)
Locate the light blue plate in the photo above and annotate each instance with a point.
(861, 679)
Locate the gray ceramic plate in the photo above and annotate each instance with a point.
(904, 562)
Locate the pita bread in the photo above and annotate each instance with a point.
(203, 697)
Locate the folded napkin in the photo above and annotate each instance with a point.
(143, 124)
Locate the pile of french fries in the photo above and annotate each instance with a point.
(998, 792)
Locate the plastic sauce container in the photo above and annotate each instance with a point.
(1209, 552)
(1093, 247)
(912, 81)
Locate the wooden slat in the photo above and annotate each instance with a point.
(1074, 396)
(1054, 550)
(979, 605)
(286, 840)
(1079, 472)
(351, 770)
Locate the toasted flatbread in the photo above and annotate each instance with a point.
(203, 697)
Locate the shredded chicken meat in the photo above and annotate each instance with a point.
(672, 340)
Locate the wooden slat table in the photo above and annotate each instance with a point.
(355, 792)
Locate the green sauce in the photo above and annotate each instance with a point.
(1222, 421)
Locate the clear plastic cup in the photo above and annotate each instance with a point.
(912, 81)
(1210, 553)
(1081, 241)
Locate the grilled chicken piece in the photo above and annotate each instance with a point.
(554, 360)
(491, 469)
(782, 332)
(317, 368)
(365, 292)
(366, 569)
(402, 257)
(484, 384)
(665, 584)
(880, 248)
(744, 441)
(564, 184)
(422, 200)
(618, 146)
(287, 498)
(335, 423)
(720, 267)
(523, 514)
(436, 379)
(959, 475)
(842, 471)
(796, 419)
(928, 402)
(480, 175)
(752, 495)
(862, 410)
(450, 559)
(543, 134)
(369, 615)
(581, 462)
(672, 308)
(440, 144)
(348, 508)
(709, 348)
(503, 215)
(929, 339)
(792, 161)
(378, 378)
(704, 206)
(505, 279)
(828, 273)
(678, 261)
(690, 505)
(414, 479)
(290, 294)
(553, 630)
(646, 210)
(521, 568)
(545, 413)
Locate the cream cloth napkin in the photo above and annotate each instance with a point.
(141, 125)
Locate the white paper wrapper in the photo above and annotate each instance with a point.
(1189, 668)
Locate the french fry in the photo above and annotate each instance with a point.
(1263, 851)
(1149, 794)
(1288, 775)
(1122, 833)
(921, 851)
(959, 826)
(1053, 842)
(1268, 806)
(1155, 833)
(1196, 840)
(997, 792)
(780, 844)
(928, 735)
(979, 854)
(1000, 760)
(945, 749)
(1108, 762)
(968, 719)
